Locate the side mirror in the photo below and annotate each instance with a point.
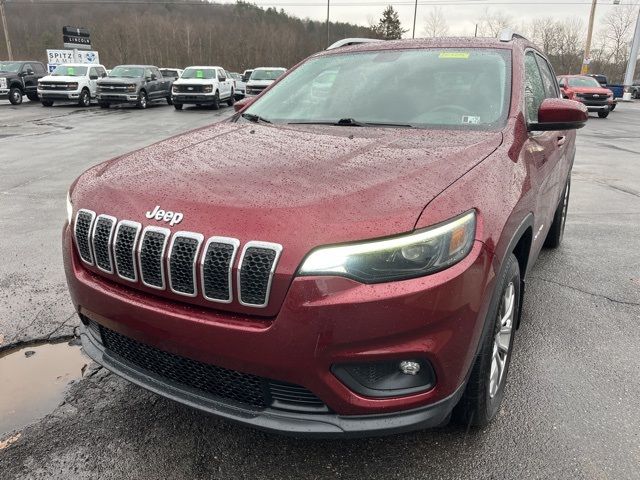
(560, 114)
(93, 77)
(153, 77)
(221, 79)
(244, 103)
(104, 74)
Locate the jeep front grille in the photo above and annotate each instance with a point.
(177, 262)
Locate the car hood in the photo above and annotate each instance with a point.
(299, 186)
(61, 78)
(259, 83)
(8, 74)
(194, 81)
(598, 90)
(120, 80)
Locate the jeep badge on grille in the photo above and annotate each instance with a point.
(172, 218)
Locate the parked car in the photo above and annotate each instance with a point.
(202, 85)
(239, 85)
(134, 84)
(604, 83)
(246, 75)
(635, 89)
(261, 78)
(171, 73)
(75, 82)
(588, 91)
(19, 78)
(339, 265)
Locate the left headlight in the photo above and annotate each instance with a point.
(411, 255)
(69, 209)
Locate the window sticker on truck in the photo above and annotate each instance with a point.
(199, 74)
(71, 71)
(458, 55)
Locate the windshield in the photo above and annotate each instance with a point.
(204, 73)
(127, 72)
(66, 71)
(585, 82)
(468, 89)
(271, 74)
(10, 66)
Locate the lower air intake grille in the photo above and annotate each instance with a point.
(182, 257)
(83, 225)
(220, 382)
(256, 269)
(123, 248)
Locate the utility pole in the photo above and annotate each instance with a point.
(633, 59)
(6, 29)
(587, 48)
(415, 13)
(328, 23)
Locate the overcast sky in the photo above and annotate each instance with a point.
(461, 15)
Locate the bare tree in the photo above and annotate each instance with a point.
(617, 32)
(492, 23)
(435, 24)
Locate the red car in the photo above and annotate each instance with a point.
(587, 90)
(345, 256)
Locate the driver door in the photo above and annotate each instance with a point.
(29, 79)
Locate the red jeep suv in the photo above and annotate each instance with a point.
(344, 256)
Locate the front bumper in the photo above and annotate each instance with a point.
(117, 97)
(58, 95)
(596, 105)
(193, 98)
(323, 321)
(4, 93)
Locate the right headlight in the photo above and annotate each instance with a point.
(69, 208)
(410, 255)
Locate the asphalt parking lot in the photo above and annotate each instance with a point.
(571, 408)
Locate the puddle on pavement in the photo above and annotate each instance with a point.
(33, 381)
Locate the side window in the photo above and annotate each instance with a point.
(221, 74)
(534, 92)
(93, 72)
(101, 71)
(548, 79)
(157, 72)
(39, 68)
(27, 67)
(147, 73)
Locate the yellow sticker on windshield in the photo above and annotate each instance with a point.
(462, 55)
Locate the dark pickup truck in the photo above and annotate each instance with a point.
(134, 84)
(19, 78)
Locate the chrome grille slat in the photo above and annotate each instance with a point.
(216, 268)
(151, 251)
(101, 237)
(82, 233)
(124, 247)
(183, 254)
(255, 272)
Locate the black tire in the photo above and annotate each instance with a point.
(143, 100)
(104, 104)
(613, 107)
(479, 405)
(15, 95)
(169, 100)
(177, 106)
(47, 103)
(603, 114)
(556, 231)
(232, 99)
(33, 97)
(84, 100)
(216, 101)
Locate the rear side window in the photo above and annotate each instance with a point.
(38, 68)
(534, 92)
(548, 79)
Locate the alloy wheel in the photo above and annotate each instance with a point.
(502, 340)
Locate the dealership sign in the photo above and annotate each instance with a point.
(59, 57)
(76, 37)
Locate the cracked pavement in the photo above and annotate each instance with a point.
(571, 408)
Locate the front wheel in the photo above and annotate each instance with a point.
(556, 230)
(142, 100)
(177, 106)
(169, 100)
(612, 107)
(232, 99)
(84, 100)
(216, 101)
(15, 96)
(603, 114)
(484, 392)
(33, 97)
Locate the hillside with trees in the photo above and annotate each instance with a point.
(236, 36)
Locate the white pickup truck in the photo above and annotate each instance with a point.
(71, 82)
(261, 78)
(203, 86)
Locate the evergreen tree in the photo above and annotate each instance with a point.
(389, 26)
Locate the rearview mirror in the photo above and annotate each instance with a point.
(560, 114)
(244, 103)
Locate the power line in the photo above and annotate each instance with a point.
(307, 4)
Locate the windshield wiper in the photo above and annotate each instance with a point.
(351, 122)
(255, 118)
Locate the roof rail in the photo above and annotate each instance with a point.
(508, 34)
(352, 41)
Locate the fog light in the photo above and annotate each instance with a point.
(389, 378)
(409, 367)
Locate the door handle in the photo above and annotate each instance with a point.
(561, 140)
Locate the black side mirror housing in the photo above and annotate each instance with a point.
(93, 77)
(153, 77)
(221, 79)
